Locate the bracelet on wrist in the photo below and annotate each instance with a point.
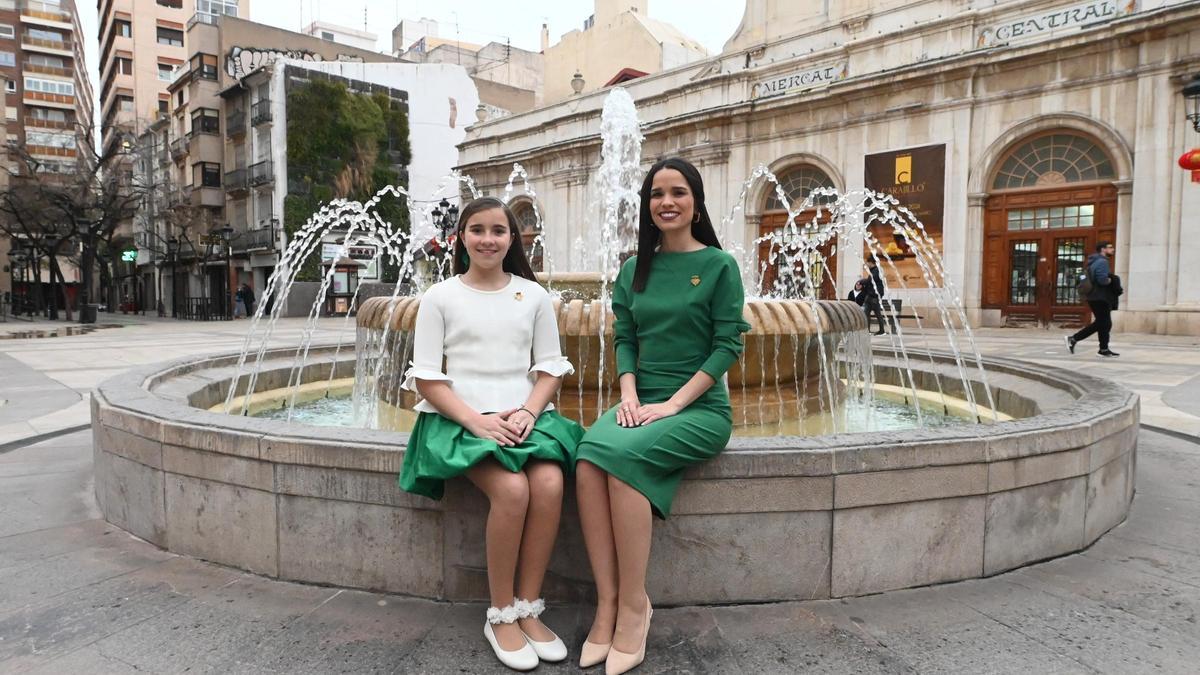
(528, 411)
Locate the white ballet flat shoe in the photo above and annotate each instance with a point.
(524, 658)
(551, 651)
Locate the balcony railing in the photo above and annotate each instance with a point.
(200, 17)
(43, 10)
(28, 40)
(235, 181)
(262, 173)
(179, 148)
(49, 98)
(179, 196)
(260, 112)
(235, 124)
(47, 124)
(46, 70)
(255, 240)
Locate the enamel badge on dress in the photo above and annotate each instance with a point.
(695, 279)
(518, 296)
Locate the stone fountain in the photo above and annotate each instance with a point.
(770, 379)
(791, 515)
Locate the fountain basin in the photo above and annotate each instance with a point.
(773, 374)
(770, 519)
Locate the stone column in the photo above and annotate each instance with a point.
(972, 286)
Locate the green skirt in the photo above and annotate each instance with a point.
(652, 458)
(440, 448)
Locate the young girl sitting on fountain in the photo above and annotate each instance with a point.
(488, 416)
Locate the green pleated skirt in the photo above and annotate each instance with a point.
(440, 448)
(652, 458)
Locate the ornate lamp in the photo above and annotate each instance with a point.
(1191, 101)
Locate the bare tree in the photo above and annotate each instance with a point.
(80, 202)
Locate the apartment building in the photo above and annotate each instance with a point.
(46, 89)
(141, 47)
(47, 106)
(213, 155)
(509, 79)
(342, 35)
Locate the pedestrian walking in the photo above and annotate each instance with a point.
(1101, 289)
(239, 303)
(248, 299)
(868, 293)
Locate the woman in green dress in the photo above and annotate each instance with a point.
(678, 307)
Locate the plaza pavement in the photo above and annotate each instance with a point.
(80, 596)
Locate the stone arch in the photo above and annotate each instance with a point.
(985, 168)
(756, 201)
(523, 207)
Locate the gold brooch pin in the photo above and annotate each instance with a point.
(695, 279)
(519, 296)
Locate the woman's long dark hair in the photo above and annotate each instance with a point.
(649, 236)
(515, 261)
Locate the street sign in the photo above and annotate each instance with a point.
(211, 240)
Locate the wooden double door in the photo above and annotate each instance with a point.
(822, 267)
(1036, 246)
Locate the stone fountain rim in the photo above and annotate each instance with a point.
(1100, 408)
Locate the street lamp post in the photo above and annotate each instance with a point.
(445, 216)
(1191, 99)
(172, 249)
(226, 237)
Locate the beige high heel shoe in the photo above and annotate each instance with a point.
(593, 654)
(620, 662)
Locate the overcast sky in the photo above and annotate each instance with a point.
(482, 21)
(478, 21)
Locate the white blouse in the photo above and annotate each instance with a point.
(489, 340)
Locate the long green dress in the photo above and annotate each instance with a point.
(688, 318)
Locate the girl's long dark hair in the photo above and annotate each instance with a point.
(649, 235)
(515, 261)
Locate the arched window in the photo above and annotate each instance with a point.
(527, 224)
(526, 218)
(797, 183)
(1053, 159)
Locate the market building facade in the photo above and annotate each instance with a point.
(1036, 128)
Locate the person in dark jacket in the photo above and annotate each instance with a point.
(248, 298)
(874, 289)
(864, 294)
(1102, 299)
